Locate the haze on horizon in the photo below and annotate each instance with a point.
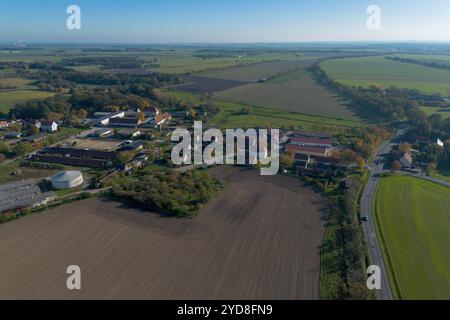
(224, 21)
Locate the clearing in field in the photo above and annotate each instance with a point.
(258, 71)
(300, 95)
(259, 239)
(10, 98)
(378, 70)
(413, 219)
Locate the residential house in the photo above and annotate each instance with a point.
(162, 118)
(49, 126)
(4, 124)
(406, 160)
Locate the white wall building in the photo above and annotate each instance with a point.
(67, 180)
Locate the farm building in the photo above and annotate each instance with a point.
(103, 133)
(105, 119)
(312, 142)
(129, 133)
(307, 150)
(13, 135)
(22, 194)
(76, 157)
(125, 122)
(67, 180)
(135, 145)
(308, 134)
(35, 138)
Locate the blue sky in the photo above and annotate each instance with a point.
(168, 21)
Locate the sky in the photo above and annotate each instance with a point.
(223, 21)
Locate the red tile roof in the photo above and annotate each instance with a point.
(306, 149)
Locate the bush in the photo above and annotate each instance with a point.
(173, 193)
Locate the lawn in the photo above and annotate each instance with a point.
(413, 220)
(9, 98)
(378, 70)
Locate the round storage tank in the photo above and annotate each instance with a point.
(67, 180)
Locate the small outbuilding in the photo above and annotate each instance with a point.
(67, 180)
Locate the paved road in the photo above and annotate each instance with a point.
(374, 247)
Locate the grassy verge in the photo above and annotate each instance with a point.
(343, 252)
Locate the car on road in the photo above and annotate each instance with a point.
(365, 219)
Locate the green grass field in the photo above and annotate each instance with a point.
(378, 70)
(445, 112)
(9, 98)
(413, 218)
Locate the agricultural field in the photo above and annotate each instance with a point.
(445, 112)
(10, 98)
(413, 221)
(441, 59)
(258, 71)
(201, 85)
(301, 95)
(231, 116)
(130, 254)
(378, 70)
(13, 83)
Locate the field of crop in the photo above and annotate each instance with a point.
(237, 248)
(441, 59)
(231, 116)
(378, 70)
(258, 71)
(8, 83)
(413, 219)
(201, 85)
(9, 98)
(300, 95)
(445, 112)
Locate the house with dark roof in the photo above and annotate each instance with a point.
(125, 122)
(312, 142)
(49, 126)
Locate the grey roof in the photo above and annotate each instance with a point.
(66, 176)
(20, 194)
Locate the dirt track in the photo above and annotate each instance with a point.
(258, 240)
